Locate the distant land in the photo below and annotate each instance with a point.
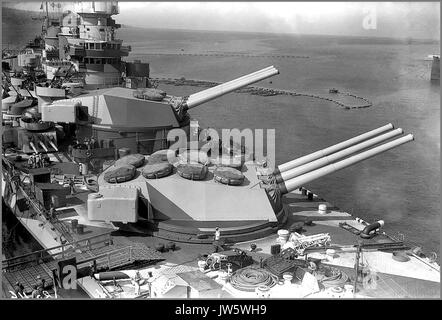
(368, 39)
(18, 27)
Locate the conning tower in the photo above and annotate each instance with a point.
(88, 37)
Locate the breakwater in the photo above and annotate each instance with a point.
(262, 91)
(240, 55)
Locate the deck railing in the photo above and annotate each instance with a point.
(104, 259)
(64, 251)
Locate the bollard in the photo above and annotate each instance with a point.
(322, 209)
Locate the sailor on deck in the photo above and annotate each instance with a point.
(72, 185)
(35, 293)
(217, 234)
(31, 161)
(137, 283)
(19, 289)
(38, 162)
(45, 160)
(93, 143)
(40, 285)
(52, 213)
(34, 160)
(216, 243)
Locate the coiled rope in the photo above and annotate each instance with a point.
(248, 279)
(337, 278)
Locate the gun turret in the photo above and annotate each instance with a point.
(324, 152)
(318, 163)
(182, 104)
(144, 107)
(139, 113)
(291, 184)
(201, 97)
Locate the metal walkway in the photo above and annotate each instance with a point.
(98, 250)
(26, 268)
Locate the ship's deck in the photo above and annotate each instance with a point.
(413, 279)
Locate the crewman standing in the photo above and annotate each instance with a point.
(217, 237)
(72, 185)
(19, 289)
(30, 161)
(137, 283)
(38, 162)
(52, 213)
(34, 160)
(40, 285)
(35, 294)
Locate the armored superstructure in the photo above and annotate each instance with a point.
(88, 38)
(77, 49)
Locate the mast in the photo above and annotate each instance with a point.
(47, 14)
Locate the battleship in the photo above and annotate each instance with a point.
(129, 198)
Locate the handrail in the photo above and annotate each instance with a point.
(40, 253)
(41, 210)
(107, 254)
(58, 247)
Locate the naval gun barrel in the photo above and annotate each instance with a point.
(33, 146)
(318, 163)
(209, 94)
(48, 139)
(43, 145)
(292, 184)
(324, 152)
(53, 145)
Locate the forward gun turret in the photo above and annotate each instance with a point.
(296, 173)
(291, 184)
